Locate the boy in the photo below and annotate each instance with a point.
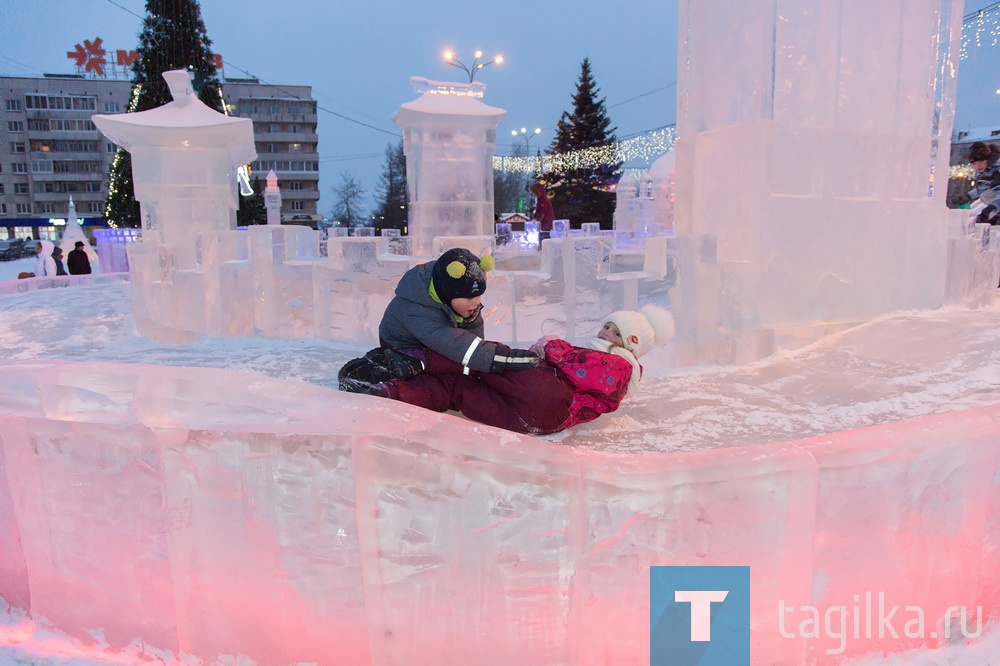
(437, 306)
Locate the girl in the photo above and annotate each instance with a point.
(572, 384)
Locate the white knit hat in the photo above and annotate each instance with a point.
(641, 331)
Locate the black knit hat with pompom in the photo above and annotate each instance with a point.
(460, 274)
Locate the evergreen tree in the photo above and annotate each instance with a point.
(347, 202)
(392, 197)
(252, 209)
(509, 193)
(584, 194)
(172, 37)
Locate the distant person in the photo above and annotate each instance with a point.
(46, 265)
(57, 256)
(543, 214)
(986, 187)
(77, 261)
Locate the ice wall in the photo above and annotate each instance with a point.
(215, 512)
(811, 169)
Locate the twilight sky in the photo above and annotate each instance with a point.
(358, 56)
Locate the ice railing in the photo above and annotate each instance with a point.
(34, 284)
(211, 512)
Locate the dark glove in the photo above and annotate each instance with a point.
(506, 359)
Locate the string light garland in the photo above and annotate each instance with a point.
(982, 28)
(644, 146)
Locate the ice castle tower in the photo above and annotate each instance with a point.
(449, 138)
(811, 172)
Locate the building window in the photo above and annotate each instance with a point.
(297, 205)
(295, 185)
(13, 105)
(111, 148)
(41, 166)
(48, 208)
(15, 126)
(296, 129)
(18, 167)
(273, 128)
(20, 188)
(112, 107)
(94, 207)
(93, 187)
(17, 147)
(274, 147)
(1, 188)
(38, 125)
(3, 209)
(60, 102)
(23, 209)
(72, 125)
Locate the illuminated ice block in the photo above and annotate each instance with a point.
(211, 513)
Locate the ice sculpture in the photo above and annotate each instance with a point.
(212, 512)
(449, 137)
(830, 121)
(72, 233)
(185, 158)
(272, 199)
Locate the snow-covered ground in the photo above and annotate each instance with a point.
(901, 366)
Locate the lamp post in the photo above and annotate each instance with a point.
(527, 136)
(449, 57)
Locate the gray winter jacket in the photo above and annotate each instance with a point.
(413, 319)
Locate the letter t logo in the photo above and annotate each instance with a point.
(701, 610)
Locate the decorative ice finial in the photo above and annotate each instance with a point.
(179, 82)
(272, 199)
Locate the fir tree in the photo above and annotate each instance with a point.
(172, 37)
(347, 202)
(584, 194)
(509, 188)
(392, 199)
(252, 210)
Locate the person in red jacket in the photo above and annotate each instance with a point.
(544, 214)
(573, 384)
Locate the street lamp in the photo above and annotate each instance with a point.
(527, 136)
(450, 58)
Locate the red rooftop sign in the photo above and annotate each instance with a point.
(90, 56)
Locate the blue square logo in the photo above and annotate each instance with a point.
(699, 616)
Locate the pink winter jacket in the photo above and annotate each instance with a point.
(599, 379)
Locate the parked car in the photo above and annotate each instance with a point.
(29, 247)
(9, 251)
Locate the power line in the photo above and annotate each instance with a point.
(972, 16)
(280, 89)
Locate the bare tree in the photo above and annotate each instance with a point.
(347, 211)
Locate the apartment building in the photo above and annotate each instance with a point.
(50, 149)
(285, 132)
